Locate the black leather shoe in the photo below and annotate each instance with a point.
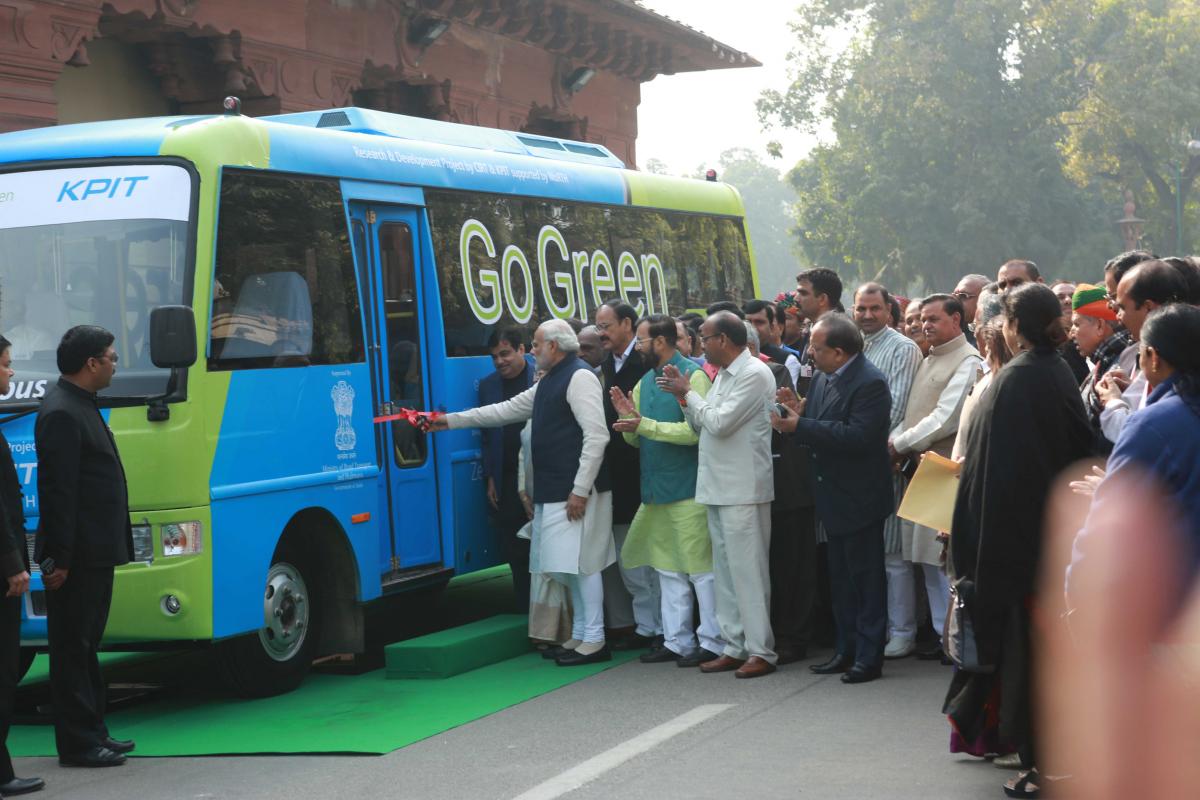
(634, 641)
(96, 757)
(861, 673)
(839, 663)
(790, 655)
(697, 658)
(21, 786)
(556, 652)
(577, 659)
(121, 746)
(659, 655)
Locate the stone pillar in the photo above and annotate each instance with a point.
(36, 43)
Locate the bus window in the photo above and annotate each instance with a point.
(403, 331)
(285, 293)
(514, 261)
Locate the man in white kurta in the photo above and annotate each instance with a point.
(572, 537)
(734, 480)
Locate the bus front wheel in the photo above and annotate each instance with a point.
(276, 659)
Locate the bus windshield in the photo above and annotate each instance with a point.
(90, 246)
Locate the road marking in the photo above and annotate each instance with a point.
(593, 768)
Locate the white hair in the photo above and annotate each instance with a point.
(752, 334)
(559, 332)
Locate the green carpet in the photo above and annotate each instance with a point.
(328, 713)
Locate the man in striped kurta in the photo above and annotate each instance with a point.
(897, 357)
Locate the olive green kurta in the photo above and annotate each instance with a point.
(669, 536)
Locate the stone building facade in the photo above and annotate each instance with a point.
(570, 68)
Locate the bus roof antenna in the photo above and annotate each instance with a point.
(233, 106)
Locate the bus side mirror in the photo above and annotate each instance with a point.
(173, 336)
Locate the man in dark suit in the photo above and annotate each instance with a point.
(501, 449)
(844, 424)
(14, 569)
(84, 534)
(631, 596)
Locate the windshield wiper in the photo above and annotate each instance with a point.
(18, 415)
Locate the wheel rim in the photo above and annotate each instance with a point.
(285, 611)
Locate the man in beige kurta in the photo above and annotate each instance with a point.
(935, 402)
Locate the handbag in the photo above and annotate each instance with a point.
(958, 636)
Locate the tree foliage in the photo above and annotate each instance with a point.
(1136, 77)
(966, 132)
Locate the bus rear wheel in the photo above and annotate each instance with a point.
(276, 659)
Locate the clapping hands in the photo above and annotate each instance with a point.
(795, 409)
(788, 399)
(1112, 385)
(674, 381)
(623, 403)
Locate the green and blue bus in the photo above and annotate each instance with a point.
(278, 288)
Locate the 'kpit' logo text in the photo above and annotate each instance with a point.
(105, 188)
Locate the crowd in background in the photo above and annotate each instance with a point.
(748, 462)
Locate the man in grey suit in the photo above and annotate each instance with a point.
(844, 424)
(734, 481)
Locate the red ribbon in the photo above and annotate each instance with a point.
(418, 419)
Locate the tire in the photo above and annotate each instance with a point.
(27, 656)
(275, 659)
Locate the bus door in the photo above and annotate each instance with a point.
(391, 277)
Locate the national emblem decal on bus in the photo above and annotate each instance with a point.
(343, 406)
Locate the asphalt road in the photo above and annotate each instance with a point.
(635, 731)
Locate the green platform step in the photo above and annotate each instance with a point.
(452, 652)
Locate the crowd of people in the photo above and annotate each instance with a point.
(749, 462)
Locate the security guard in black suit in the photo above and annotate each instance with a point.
(14, 568)
(84, 534)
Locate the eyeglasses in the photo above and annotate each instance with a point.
(641, 341)
(114, 358)
(711, 335)
(603, 326)
(965, 295)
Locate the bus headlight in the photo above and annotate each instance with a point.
(143, 544)
(181, 538)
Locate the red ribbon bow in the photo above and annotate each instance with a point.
(418, 419)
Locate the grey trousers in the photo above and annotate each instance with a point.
(631, 596)
(741, 541)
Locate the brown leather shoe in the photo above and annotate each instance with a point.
(722, 664)
(755, 668)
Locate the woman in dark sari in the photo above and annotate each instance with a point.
(1027, 428)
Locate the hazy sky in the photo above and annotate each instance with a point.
(687, 120)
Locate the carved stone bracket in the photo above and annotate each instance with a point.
(67, 38)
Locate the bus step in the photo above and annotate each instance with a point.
(452, 652)
(407, 579)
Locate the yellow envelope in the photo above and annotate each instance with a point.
(929, 500)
